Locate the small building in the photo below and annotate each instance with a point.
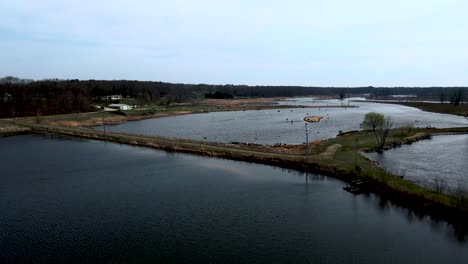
(123, 107)
(114, 97)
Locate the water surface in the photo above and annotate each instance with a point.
(285, 126)
(444, 158)
(74, 201)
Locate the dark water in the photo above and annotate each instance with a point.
(65, 201)
(443, 157)
(275, 126)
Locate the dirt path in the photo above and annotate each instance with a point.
(331, 150)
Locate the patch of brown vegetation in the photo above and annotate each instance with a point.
(12, 129)
(109, 120)
(7, 129)
(313, 119)
(65, 123)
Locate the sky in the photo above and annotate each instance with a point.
(254, 42)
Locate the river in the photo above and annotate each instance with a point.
(80, 201)
(442, 159)
(285, 126)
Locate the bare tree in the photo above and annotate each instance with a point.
(380, 125)
(342, 93)
(456, 97)
(384, 132)
(442, 96)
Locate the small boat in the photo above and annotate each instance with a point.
(353, 189)
(356, 187)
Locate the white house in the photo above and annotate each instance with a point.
(123, 107)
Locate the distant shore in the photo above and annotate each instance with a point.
(206, 106)
(442, 108)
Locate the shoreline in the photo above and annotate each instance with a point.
(388, 187)
(414, 197)
(90, 119)
(8, 128)
(441, 108)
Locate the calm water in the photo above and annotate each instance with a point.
(443, 157)
(275, 126)
(67, 201)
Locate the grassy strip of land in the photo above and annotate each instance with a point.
(335, 157)
(9, 128)
(461, 110)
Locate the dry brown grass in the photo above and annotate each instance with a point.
(64, 123)
(9, 128)
(313, 119)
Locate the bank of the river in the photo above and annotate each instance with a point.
(446, 108)
(335, 157)
(9, 128)
(204, 106)
(340, 162)
(439, 163)
(90, 201)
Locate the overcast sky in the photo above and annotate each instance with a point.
(256, 42)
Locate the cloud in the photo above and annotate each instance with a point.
(255, 42)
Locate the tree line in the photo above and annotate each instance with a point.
(19, 97)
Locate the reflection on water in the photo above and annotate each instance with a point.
(282, 126)
(444, 158)
(87, 201)
(311, 101)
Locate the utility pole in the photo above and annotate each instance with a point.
(307, 149)
(103, 124)
(307, 140)
(355, 153)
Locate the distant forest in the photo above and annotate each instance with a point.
(20, 97)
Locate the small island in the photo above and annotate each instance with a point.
(313, 119)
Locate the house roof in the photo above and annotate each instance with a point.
(118, 105)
